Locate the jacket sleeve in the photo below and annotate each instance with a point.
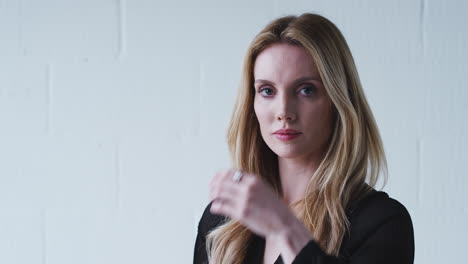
(200, 256)
(207, 223)
(392, 242)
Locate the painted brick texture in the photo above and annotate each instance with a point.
(113, 117)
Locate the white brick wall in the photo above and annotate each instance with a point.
(113, 115)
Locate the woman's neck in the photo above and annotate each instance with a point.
(295, 175)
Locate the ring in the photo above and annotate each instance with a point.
(237, 176)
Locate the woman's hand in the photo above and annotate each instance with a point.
(250, 201)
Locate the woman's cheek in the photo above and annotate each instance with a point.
(260, 112)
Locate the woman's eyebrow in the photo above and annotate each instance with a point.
(302, 79)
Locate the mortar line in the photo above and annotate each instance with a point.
(200, 95)
(422, 25)
(419, 170)
(43, 235)
(49, 97)
(117, 175)
(122, 18)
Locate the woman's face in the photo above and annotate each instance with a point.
(289, 94)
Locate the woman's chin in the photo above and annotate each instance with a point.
(287, 153)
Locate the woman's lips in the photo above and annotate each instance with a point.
(286, 137)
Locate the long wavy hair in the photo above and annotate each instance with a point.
(354, 154)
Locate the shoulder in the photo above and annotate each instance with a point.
(210, 221)
(377, 206)
(376, 203)
(375, 212)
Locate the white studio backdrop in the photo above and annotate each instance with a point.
(113, 118)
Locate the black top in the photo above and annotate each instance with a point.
(381, 231)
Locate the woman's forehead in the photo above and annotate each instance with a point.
(284, 61)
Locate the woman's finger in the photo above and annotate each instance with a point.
(224, 190)
(223, 207)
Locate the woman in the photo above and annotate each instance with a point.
(308, 154)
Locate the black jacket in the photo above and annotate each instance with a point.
(381, 231)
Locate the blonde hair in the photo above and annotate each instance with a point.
(355, 151)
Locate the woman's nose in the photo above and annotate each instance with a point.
(286, 109)
(286, 117)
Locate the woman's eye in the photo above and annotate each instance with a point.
(266, 91)
(308, 90)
